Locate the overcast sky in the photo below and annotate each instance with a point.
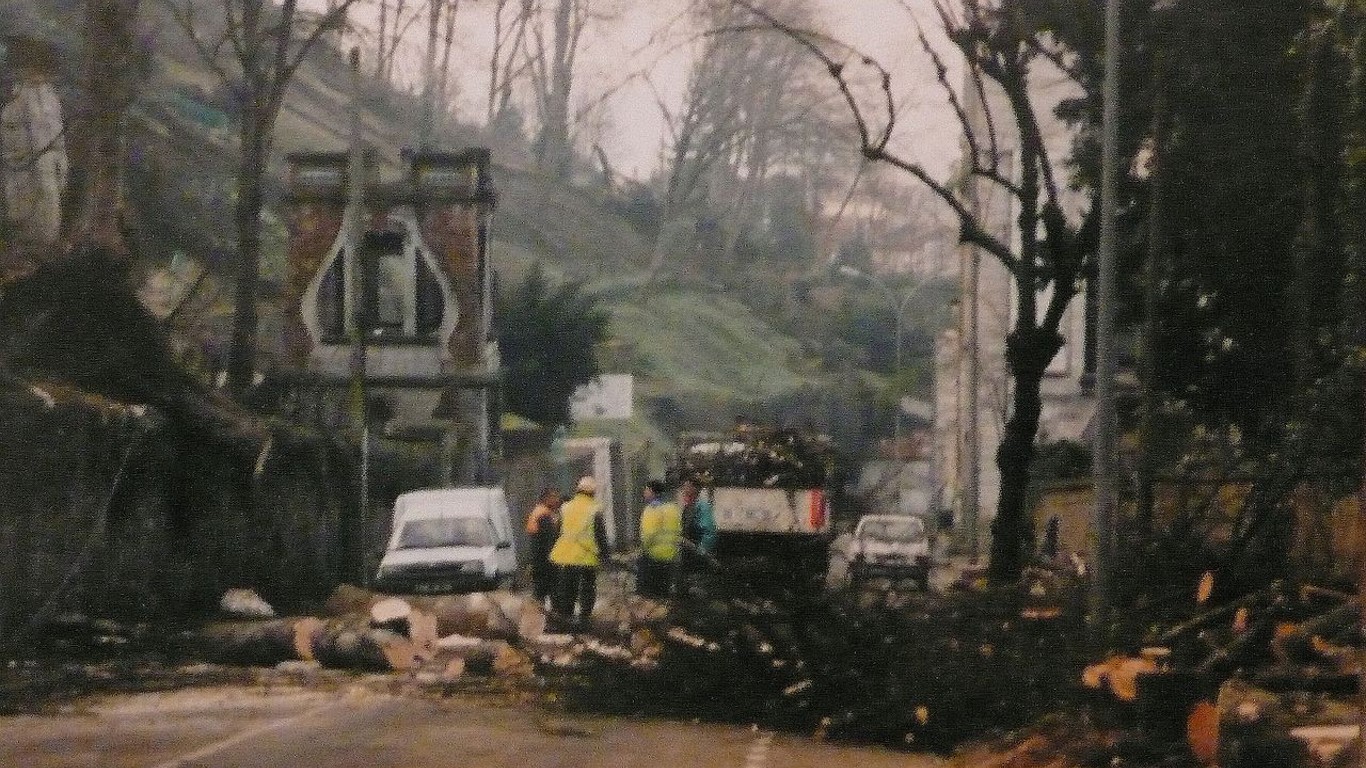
(640, 58)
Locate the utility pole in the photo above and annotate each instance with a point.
(355, 296)
(1361, 618)
(1106, 463)
(1152, 270)
(6, 86)
(972, 468)
(426, 126)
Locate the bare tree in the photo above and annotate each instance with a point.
(255, 47)
(110, 37)
(508, 63)
(382, 42)
(435, 74)
(1000, 49)
(444, 90)
(748, 113)
(553, 59)
(393, 30)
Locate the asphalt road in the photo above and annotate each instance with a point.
(258, 727)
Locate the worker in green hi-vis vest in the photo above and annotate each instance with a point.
(661, 530)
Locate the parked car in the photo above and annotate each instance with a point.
(888, 546)
(448, 540)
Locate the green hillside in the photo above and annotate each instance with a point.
(701, 356)
(689, 344)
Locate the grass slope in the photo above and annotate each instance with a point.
(693, 345)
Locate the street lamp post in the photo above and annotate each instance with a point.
(899, 303)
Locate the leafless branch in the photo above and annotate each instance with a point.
(877, 149)
(210, 54)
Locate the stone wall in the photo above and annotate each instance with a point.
(108, 510)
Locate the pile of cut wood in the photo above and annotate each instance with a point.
(448, 636)
(925, 674)
(1270, 678)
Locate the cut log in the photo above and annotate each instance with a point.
(1202, 732)
(348, 599)
(262, 642)
(531, 624)
(1118, 674)
(389, 612)
(422, 632)
(495, 615)
(348, 644)
(479, 614)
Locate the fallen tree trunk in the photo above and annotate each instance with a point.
(347, 644)
(497, 615)
(259, 642)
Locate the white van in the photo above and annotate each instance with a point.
(448, 540)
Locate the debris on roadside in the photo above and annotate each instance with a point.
(1267, 678)
(244, 603)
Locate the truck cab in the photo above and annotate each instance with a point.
(447, 540)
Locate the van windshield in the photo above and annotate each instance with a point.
(445, 532)
(898, 529)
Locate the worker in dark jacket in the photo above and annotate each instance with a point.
(578, 552)
(699, 530)
(542, 527)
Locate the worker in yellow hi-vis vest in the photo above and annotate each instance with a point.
(661, 530)
(578, 552)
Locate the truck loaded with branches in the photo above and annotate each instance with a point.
(771, 490)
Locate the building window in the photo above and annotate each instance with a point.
(402, 298)
(389, 284)
(332, 301)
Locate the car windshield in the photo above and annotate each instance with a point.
(445, 532)
(902, 529)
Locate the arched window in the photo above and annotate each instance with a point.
(402, 297)
(332, 301)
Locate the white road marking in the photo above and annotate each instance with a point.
(758, 751)
(237, 738)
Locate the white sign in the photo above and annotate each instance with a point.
(608, 396)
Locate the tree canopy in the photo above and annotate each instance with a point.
(547, 336)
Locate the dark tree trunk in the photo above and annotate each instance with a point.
(110, 26)
(554, 146)
(1028, 352)
(250, 201)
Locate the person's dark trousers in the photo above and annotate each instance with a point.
(691, 566)
(577, 583)
(542, 575)
(654, 577)
(542, 580)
